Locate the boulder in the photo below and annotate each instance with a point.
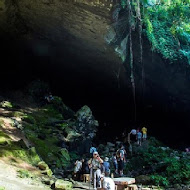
(49, 172)
(112, 150)
(118, 143)
(58, 172)
(109, 144)
(63, 185)
(43, 166)
(143, 179)
(106, 150)
(6, 104)
(165, 148)
(177, 186)
(47, 180)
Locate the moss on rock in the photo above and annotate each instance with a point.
(4, 139)
(6, 104)
(28, 155)
(63, 185)
(43, 166)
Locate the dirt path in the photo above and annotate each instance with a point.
(10, 180)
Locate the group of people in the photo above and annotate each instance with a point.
(95, 169)
(138, 135)
(81, 168)
(99, 169)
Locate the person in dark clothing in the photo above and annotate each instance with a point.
(115, 164)
(85, 168)
(121, 159)
(85, 171)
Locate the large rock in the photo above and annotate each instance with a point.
(86, 123)
(143, 179)
(45, 169)
(109, 144)
(48, 172)
(63, 185)
(43, 166)
(86, 126)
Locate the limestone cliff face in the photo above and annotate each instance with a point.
(77, 26)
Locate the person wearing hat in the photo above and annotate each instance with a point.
(95, 168)
(106, 165)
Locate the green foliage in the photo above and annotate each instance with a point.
(1, 122)
(44, 136)
(164, 165)
(62, 108)
(159, 180)
(29, 119)
(4, 139)
(24, 174)
(50, 110)
(65, 154)
(28, 155)
(167, 28)
(123, 3)
(74, 156)
(178, 170)
(166, 23)
(19, 114)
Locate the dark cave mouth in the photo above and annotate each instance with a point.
(112, 107)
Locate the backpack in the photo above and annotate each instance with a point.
(122, 154)
(118, 155)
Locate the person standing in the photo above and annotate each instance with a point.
(144, 131)
(133, 135)
(139, 138)
(115, 164)
(77, 169)
(107, 167)
(95, 167)
(121, 159)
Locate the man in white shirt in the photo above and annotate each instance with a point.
(77, 169)
(133, 135)
(95, 169)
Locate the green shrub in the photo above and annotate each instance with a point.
(29, 119)
(165, 23)
(164, 165)
(159, 180)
